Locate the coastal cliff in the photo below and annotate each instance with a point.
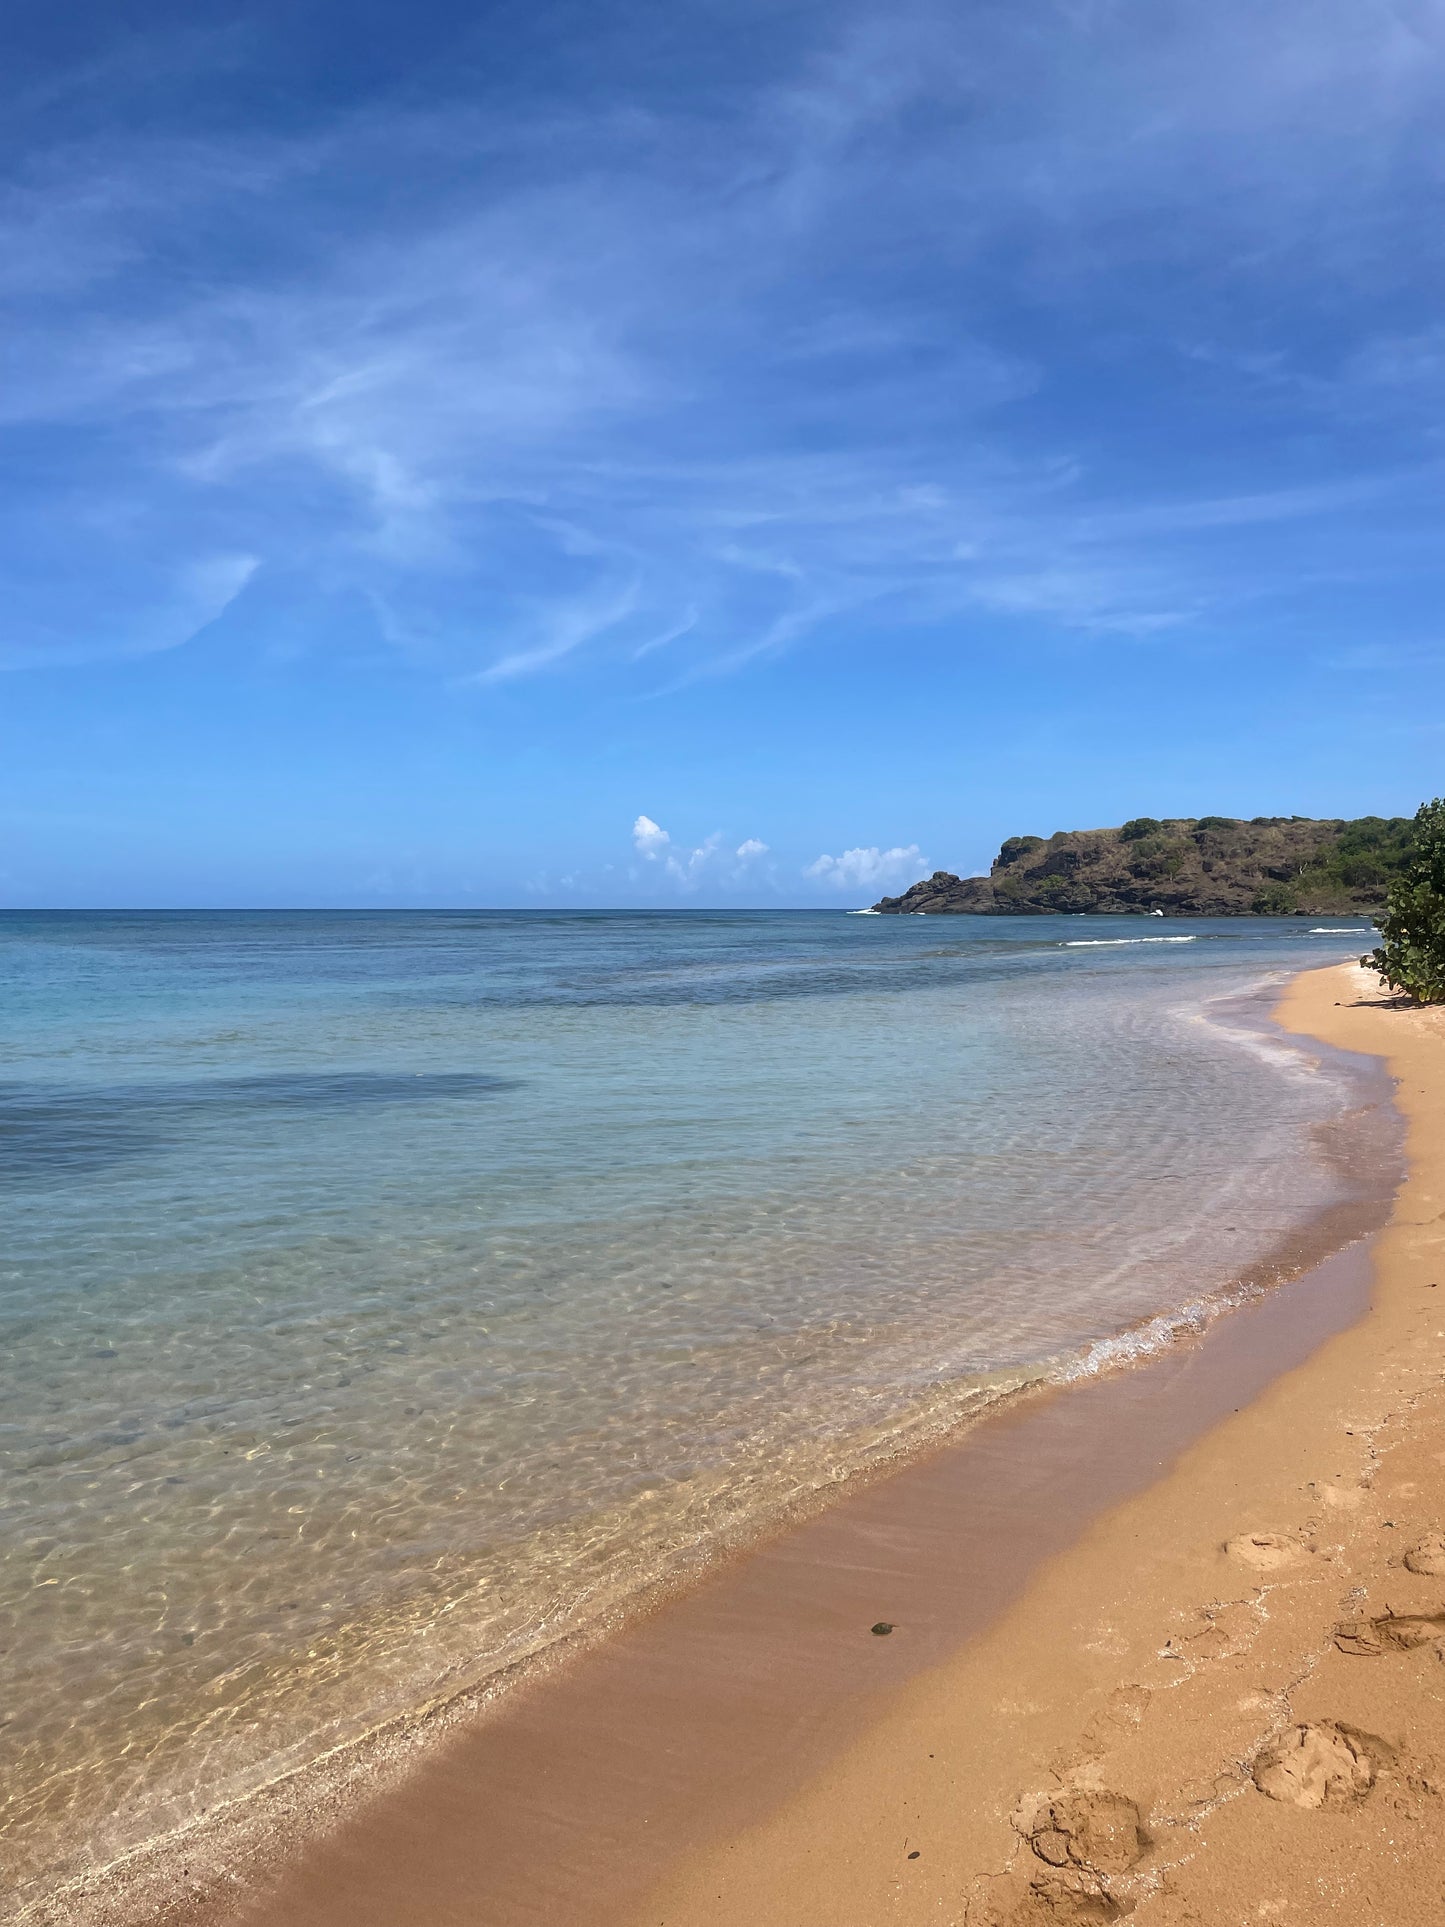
(1209, 866)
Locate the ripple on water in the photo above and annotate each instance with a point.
(384, 1298)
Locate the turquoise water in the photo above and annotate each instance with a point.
(386, 1295)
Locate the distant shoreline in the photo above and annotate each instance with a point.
(1197, 916)
(1210, 866)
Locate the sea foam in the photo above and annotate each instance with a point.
(392, 1295)
(1112, 943)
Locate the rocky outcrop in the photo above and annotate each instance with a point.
(1208, 866)
(943, 891)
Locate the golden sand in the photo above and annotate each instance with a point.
(1168, 1645)
(1226, 1703)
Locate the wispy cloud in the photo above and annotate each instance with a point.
(882, 331)
(564, 630)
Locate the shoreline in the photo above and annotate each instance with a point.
(302, 1805)
(429, 1765)
(1226, 1701)
(903, 1261)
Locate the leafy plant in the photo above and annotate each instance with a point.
(1412, 955)
(1367, 854)
(1017, 847)
(1278, 900)
(1139, 826)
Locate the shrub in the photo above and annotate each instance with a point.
(1157, 860)
(1276, 901)
(1140, 826)
(1215, 823)
(1017, 847)
(1064, 893)
(1412, 956)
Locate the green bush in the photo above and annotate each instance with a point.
(1360, 873)
(1016, 848)
(1412, 955)
(1139, 826)
(1367, 854)
(1278, 900)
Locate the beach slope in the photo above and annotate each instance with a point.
(1226, 1702)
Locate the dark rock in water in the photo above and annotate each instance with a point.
(943, 891)
(883, 1626)
(1211, 866)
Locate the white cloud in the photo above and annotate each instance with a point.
(688, 866)
(709, 862)
(630, 323)
(870, 868)
(565, 630)
(649, 838)
(199, 594)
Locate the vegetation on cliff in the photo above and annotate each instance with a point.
(1183, 866)
(1411, 956)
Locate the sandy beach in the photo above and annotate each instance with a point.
(704, 1216)
(1166, 1643)
(1226, 1703)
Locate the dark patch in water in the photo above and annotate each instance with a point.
(49, 1130)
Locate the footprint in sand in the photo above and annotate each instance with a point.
(1084, 1838)
(1341, 1498)
(1064, 1906)
(1123, 1710)
(1097, 1833)
(1059, 1900)
(1428, 1556)
(1221, 1632)
(1266, 1551)
(1390, 1633)
(1319, 1765)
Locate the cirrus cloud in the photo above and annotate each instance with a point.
(596, 376)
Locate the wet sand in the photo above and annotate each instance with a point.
(1226, 1702)
(754, 1751)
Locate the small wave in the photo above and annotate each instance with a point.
(1254, 1031)
(1110, 943)
(1322, 930)
(862, 913)
(1153, 1336)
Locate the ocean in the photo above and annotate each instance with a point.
(387, 1296)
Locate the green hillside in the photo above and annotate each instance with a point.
(1182, 866)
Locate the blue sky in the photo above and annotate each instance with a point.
(707, 453)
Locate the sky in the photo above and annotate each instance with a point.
(676, 452)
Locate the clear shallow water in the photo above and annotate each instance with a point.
(385, 1295)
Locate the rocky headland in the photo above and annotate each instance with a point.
(1209, 866)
